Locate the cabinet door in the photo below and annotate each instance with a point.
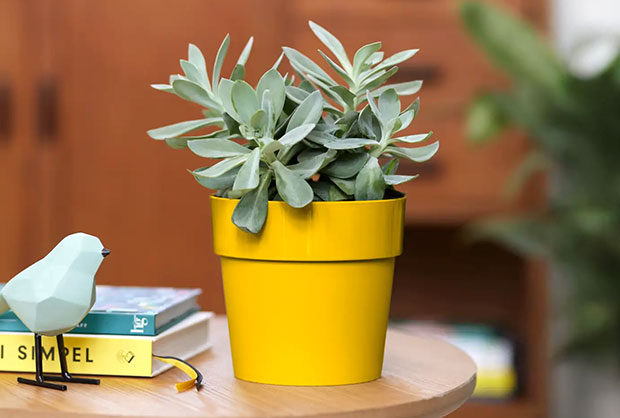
(134, 192)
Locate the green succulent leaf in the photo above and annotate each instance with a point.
(331, 42)
(363, 54)
(393, 180)
(389, 106)
(292, 188)
(248, 176)
(295, 135)
(378, 79)
(178, 129)
(219, 60)
(193, 74)
(163, 87)
(369, 183)
(238, 73)
(412, 139)
(273, 81)
(339, 70)
(347, 97)
(309, 167)
(221, 182)
(390, 167)
(350, 143)
(346, 185)
(194, 92)
(225, 95)
(194, 55)
(217, 148)
(306, 66)
(244, 100)
(417, 155)
(308, 112)
(402, 89)
(245, 54)
(222, 167)
(251, 211)
(346, 165)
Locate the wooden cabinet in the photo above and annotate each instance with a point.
(74, 88)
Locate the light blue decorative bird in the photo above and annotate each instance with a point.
(53, 296)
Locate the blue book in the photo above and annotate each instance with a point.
(121, 310)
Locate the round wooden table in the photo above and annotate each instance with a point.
(422, 377)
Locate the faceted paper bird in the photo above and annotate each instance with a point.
(53, 296)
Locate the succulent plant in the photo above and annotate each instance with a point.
(315, 140)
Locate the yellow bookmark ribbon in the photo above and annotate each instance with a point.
(188, 369)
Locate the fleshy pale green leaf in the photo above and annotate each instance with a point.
(193, 74)
(163, 87)
(377, 80)
(311, 166)
(306, 66)
(296, 94)
(402, 89)
(222, 167)
(178, 129)
(346, 185)
(238, 73)
(341, 72)
(223, 181)
(217, 148)
(412, 139)
(251, 211)
(194, 92)
(350, 143)
(245, 54)
(347, 165)
(405, 119)
(308, 112)
(295, 135)
(248, 176)
(331, 42)
(389, 105)
(259, 120)
(393, 180)
(194, 55)
(369, 124)
(219, 60)
(273, 81)
(345, 95)
(363, 54)
(225, 94)
(244, 100)
(292, 188)
(418, 155)
(369, 183)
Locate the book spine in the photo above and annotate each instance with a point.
(116, 356)
(114, 323)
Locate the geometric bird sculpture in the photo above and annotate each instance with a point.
(53, 296)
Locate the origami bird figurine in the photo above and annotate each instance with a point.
(53, 296)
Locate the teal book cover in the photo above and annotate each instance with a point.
(123, 310)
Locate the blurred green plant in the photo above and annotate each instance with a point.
(315, 140)
(574, 124)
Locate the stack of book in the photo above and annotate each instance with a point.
(126, 327)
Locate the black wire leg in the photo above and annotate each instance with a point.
(64, 374)
(39, 369)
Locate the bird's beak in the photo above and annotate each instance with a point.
(105, 252)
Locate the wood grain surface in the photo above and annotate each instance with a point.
(422, 377)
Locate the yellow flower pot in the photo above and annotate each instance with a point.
(308, 297)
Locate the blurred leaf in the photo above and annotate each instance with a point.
(485, 119)
(514, 46)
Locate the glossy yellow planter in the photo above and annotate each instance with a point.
(308, 297)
